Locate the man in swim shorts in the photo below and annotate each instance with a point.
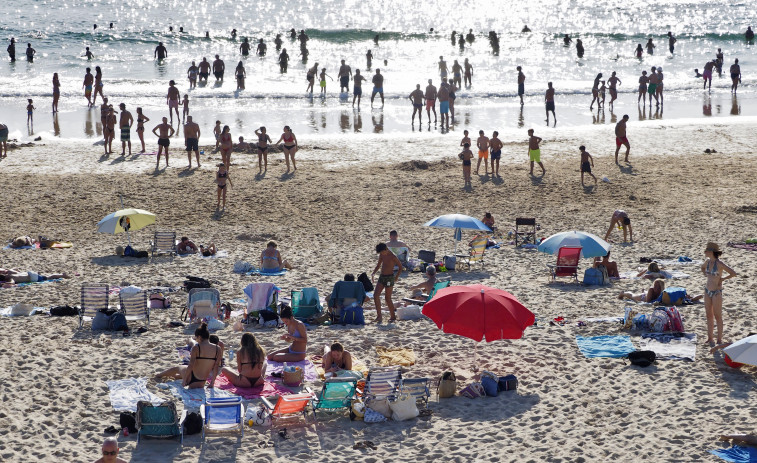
(378, 87)
(164, 134)
(620, 137)
(521, 84)
(495, 144)
(549, 98)
(160, 52)
(125, 124)
(204, 70)
(430, 97)
(387, 261)
(443, 95)
(191, 137)
(654, 79)
(416, 98)
(442, 67)
(534, 153)
(218, 68)
(482, 142)
(89, 79)
(345, 72)
(172, 99)
(357, 89)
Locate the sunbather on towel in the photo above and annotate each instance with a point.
(186, 246)
(652, 272)
(11, 276)
(208, 251)
(251, 364)
(652, 293)
(204, 361)
(427, 286)
(270, 259)
(611, 266)
(296, 334)
(336, 359)
(22, 241)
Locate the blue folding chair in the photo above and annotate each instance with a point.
(222, 415)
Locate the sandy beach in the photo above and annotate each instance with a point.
(327, 219)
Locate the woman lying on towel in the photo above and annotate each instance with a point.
(204, 361)
(22, 241)
(652, 272)
(652, 293)
(336, 359)
(270, 259)
(251, 364)
(296, 334)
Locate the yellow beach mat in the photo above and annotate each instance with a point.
(388, 356)
(62, 245)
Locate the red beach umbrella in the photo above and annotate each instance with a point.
(478, 312)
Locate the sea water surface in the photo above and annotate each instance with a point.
(412, 36)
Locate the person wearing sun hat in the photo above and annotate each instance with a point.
(713, 269)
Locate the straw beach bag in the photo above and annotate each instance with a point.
(293, 378)
(447, 385)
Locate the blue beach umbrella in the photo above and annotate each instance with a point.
(592, 245)
(458, 222)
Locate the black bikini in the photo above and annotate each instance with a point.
(253, 379)
(192, 377)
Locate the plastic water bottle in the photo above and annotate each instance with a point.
(231, 355)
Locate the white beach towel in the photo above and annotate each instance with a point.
(193, 398)
(17, 312)
(125, 393)
(670, 346)
(217, 255)
(670, 274)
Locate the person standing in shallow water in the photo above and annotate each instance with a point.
(549, 98)
(12, 50)
(579, 48)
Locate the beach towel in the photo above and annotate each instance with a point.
(388, 356)
(682, 260)
(605, 346)
(8, 312)
(604, 320)
(260, 295)
(747, 246)
(737, 454)
(217, 255)
(267, 389)
(670, 274)
(670, 346)
(263, 272)
(34, 246)
(193, 398)
(125, 393)
(21, 285)
(308, 368)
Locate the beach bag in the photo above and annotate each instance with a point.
(426, 256)
(193, 424)
(129, 252)
(473, 391)
(449, 262)
(357, 411)
(490, 383)
(117, 322)
(447, 385)
(292, 376)
(642, 358)
(367, 283)
(404, 408)
(196, 282)
(158, 301)
(380, 406)
(63, 311)
(128, 420)
(673, 296)
(594, 277)
(676, 321)
(352, 316)
(372, 416)
(101, 322)
(659, 321)
(267, 316)
(410, 312)
(508, 383)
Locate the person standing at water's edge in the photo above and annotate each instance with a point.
(735, 75)
(416, 98)
(12, 50)
(521, 84)
(172, 100)
(357, 90)
(204, 70)
(614, 82)
(549, 98)
(89, 79)
(378, 87)
(495, 144)
(482, 143)
(621, 138)
(163, 132)
(191, 139)
(345, 73)
(468, 72)
(643, 80)
(671, 42)
(430, 96)
(218, 68)
(56, 92)
(125, 124)
(534, 152)
(443, 96)
(160, 52)
(192, 75)
(141, 119)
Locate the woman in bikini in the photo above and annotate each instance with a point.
(336, 359)
(263, 141)
(251, 364)
(240, 74)
(713, 269)
(270, 259)
(56, 92)
(98, 84)
(204, 361)
(650, 296)
(620, 218)
(226, 146)
(141, 119)
(296, 334)
(222, 177)
(290, 146)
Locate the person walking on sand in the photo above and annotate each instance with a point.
(218, 68)
(468, 73)
(160, 52)
(290, 146)
(620, 218)
(378, 87)
(587, 162)
(643, 81)
(172, 100)
(521, 84)
(671, 42)
(549, 98)
(263, 141)
(495, 144)
(357, 89)
(534, 153)
(614, 82)
(192, 75)
(735, 75)
(191, 139)
(226, 146)
(482, 143)
(345, 73)
(125, 123)
(416, 98)
(222, 178)
(163, 131)
(141, 119)
(621, 138)
(430, 96)
(204, 70)
(595, 91)
(650, 47)
(89, 79)
(713, 269)
(387, 261)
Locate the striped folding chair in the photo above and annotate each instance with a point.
(94, 296)
(134, 306)
(164, 243)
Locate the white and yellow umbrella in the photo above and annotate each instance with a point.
(125, 220)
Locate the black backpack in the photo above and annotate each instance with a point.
(193, 424)
(642, 358)
(367, 283)
(128, 420)
(196, 282)
(63, 311)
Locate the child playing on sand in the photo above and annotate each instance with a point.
(217, 133)
(602, 90)
(534, 153)
(222, 177)
(466, 139)
(323, 80)
(586, 165)
(185, 105)
(30, 112)
(466, 155)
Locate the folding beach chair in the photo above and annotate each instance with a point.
(203, 302)
(344, 294)
(525, 231)
(306, 303)
(261, 296)
(567, 263)
(418, 388)
(159, 421)
(383, 382)
(289, 408)
(437, 286)
(336, 394)
(222, 415)
(164, 243)
(94, 296)
(476, 254)
(134, 306)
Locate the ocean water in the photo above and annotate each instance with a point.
(407, 54)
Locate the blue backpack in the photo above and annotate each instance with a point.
(352, 315)
(595, 276)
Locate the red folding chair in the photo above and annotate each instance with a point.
(567, 263)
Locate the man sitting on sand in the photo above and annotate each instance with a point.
(652, 293)
(611, 266)
(242, 146)
(427, 286)
(110, 452)
(395, 243)
(186, 246)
